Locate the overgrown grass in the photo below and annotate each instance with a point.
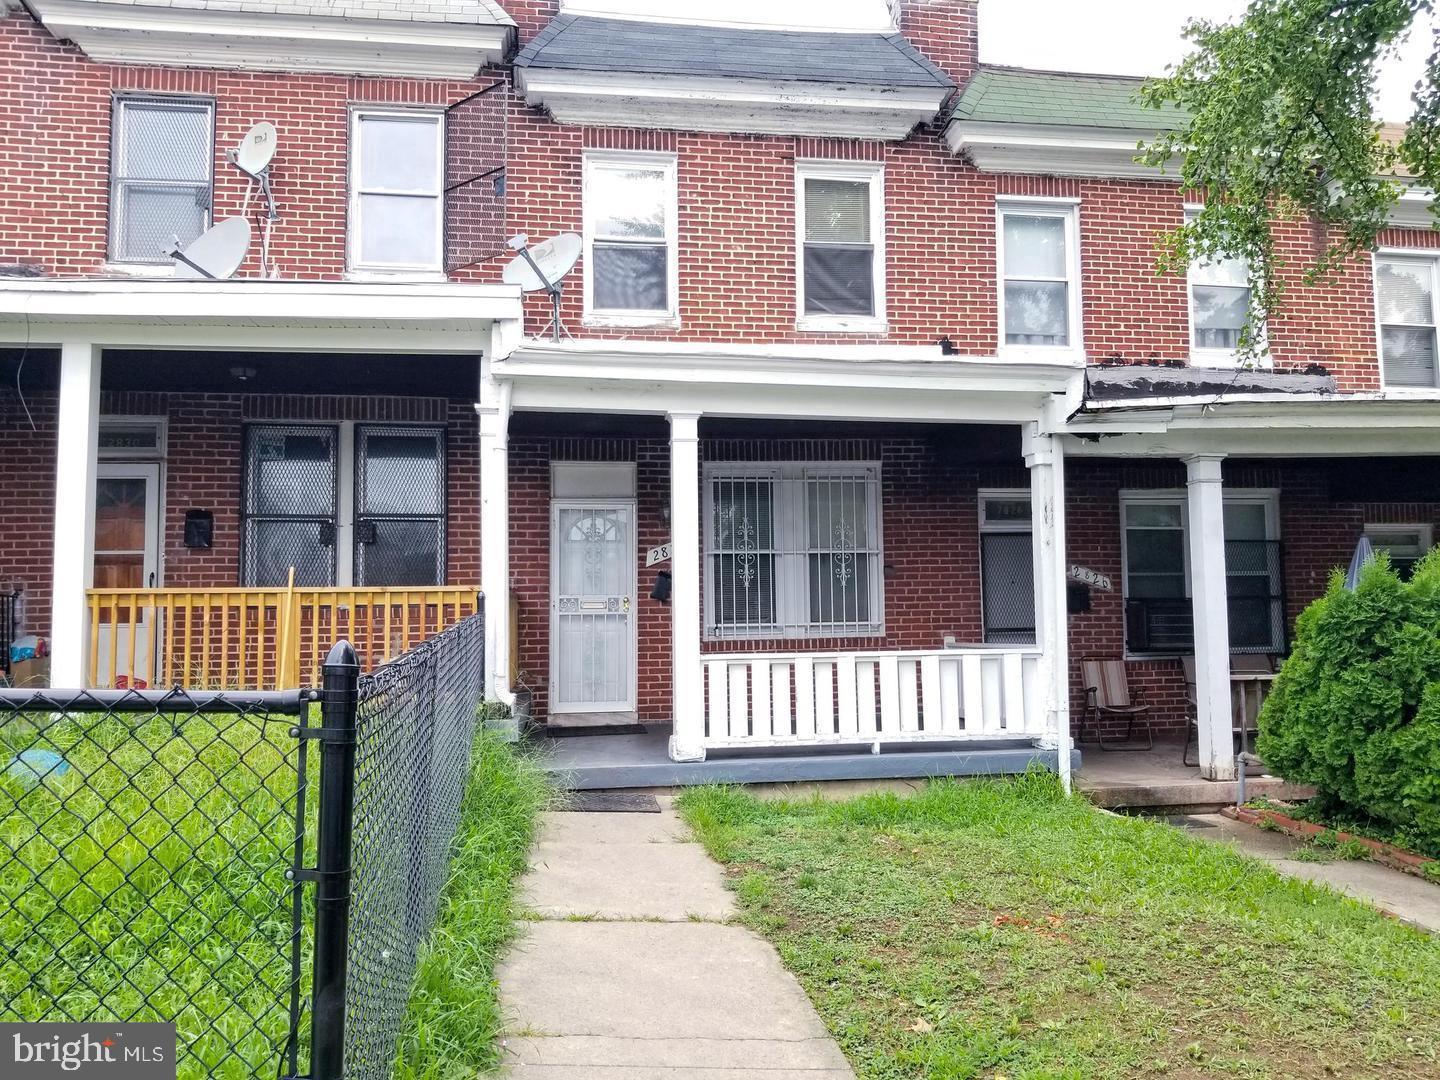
(454, 1018)
(998, 929)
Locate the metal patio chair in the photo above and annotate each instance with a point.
(1108, 696)
(1244, 720)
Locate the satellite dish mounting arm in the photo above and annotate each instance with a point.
(176, 253)
(551, 287)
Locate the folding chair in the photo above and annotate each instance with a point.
(1243, 718)
(1108, 695)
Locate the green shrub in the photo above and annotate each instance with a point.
(1355, 710)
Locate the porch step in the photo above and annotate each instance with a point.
(600, 762)
(1158, 780)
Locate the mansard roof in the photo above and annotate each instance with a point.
(1007, 95)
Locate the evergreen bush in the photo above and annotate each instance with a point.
(1355, 709)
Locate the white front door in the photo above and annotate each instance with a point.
(592, 619)
(127, 556)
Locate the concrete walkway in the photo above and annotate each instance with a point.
(629, 969)
(1410, 899)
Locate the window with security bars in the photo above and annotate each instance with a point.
(793, 550)
(397, 186)
(162, 153)
(630, 234)
(1405, 308)
(399, 506)
(1007, 568)
(840, 225)
(1219, 304)
(291, 487)
(1037, 269)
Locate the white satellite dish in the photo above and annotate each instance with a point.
(215, 253)
(542, 266)
(257, 148)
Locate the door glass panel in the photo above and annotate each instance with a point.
(1007, 561)
(120, 532)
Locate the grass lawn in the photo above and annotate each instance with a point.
(997, 929)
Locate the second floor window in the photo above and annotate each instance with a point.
(1038, 273)
(630, 249)
(160, 172)
(396, 190)
(841, 225)
(1219, 306)
(1405, 308)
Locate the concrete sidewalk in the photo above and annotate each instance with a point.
(1410, 899)
(629, 970)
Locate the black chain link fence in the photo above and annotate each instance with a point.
(156, 851)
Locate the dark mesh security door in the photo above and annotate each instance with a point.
(399, 506)
(290, 496)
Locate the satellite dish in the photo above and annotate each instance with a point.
(541, 266)
(257, 148)
(215, 253)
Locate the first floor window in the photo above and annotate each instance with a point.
(1007, 568)
(1038, 271)
(793, 550)
(630, 234)
(396, 190)
(1405, 544)
(1159, 617)
(160, 169)
(291, 500)
(1405, 308)
(841, 221)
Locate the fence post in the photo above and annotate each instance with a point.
(339, 707)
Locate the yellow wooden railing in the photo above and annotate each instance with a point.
(257, 639)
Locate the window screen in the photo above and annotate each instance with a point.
(160, 174)
(397, 183)
(399, 506)
(630, 235)
(1037, 286)
(1405, 306)
(290, 496)
(839, 254)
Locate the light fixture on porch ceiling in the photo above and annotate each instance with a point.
(242, 373)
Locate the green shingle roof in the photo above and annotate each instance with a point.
(1001, 95)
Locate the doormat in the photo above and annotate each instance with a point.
(611, 802)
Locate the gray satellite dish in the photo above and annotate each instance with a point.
(542, 266)
(256, 149)
(215, 253)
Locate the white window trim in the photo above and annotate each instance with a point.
(872, 173)
(792, 592)
(358, 269)
(1013, 527)
(1423, 530)
(668, 163)
(161, 266)
(1033, 206)
(158, 424)
(1269, 497)
(1217, 358)
(1432, 256)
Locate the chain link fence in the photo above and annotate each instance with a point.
(261, 871)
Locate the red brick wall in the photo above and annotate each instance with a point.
(203, 471)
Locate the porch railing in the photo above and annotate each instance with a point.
(256, 639)
(978, 693)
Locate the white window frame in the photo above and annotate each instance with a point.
(435, 268)
(1026, 527)
(1424, 532)
(1428, 255)
(1217, 358)
(1268, 497)
(872, 173)
(118, 134)
(591, 162)
(1068, 210)
(792, 596)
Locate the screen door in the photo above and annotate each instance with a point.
(127, 548)
(593, 599)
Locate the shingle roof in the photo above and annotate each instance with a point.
(588, 43)
(1018, 96)
(484, 12)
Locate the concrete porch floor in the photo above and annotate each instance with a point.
(597, 762)
(1156, 778)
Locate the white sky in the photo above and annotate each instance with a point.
(1120, 37)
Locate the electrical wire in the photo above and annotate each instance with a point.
(19, 368)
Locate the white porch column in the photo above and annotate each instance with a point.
(687, 679)
(494, 411)
(1205, 539)
(74, 539)
(1045, 458)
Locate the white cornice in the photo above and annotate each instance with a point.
(1051, 150)
(750, 106)
(114, 32)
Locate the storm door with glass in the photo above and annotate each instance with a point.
(593, 589)
(127, 547)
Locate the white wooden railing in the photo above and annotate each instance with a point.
(811, 699)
